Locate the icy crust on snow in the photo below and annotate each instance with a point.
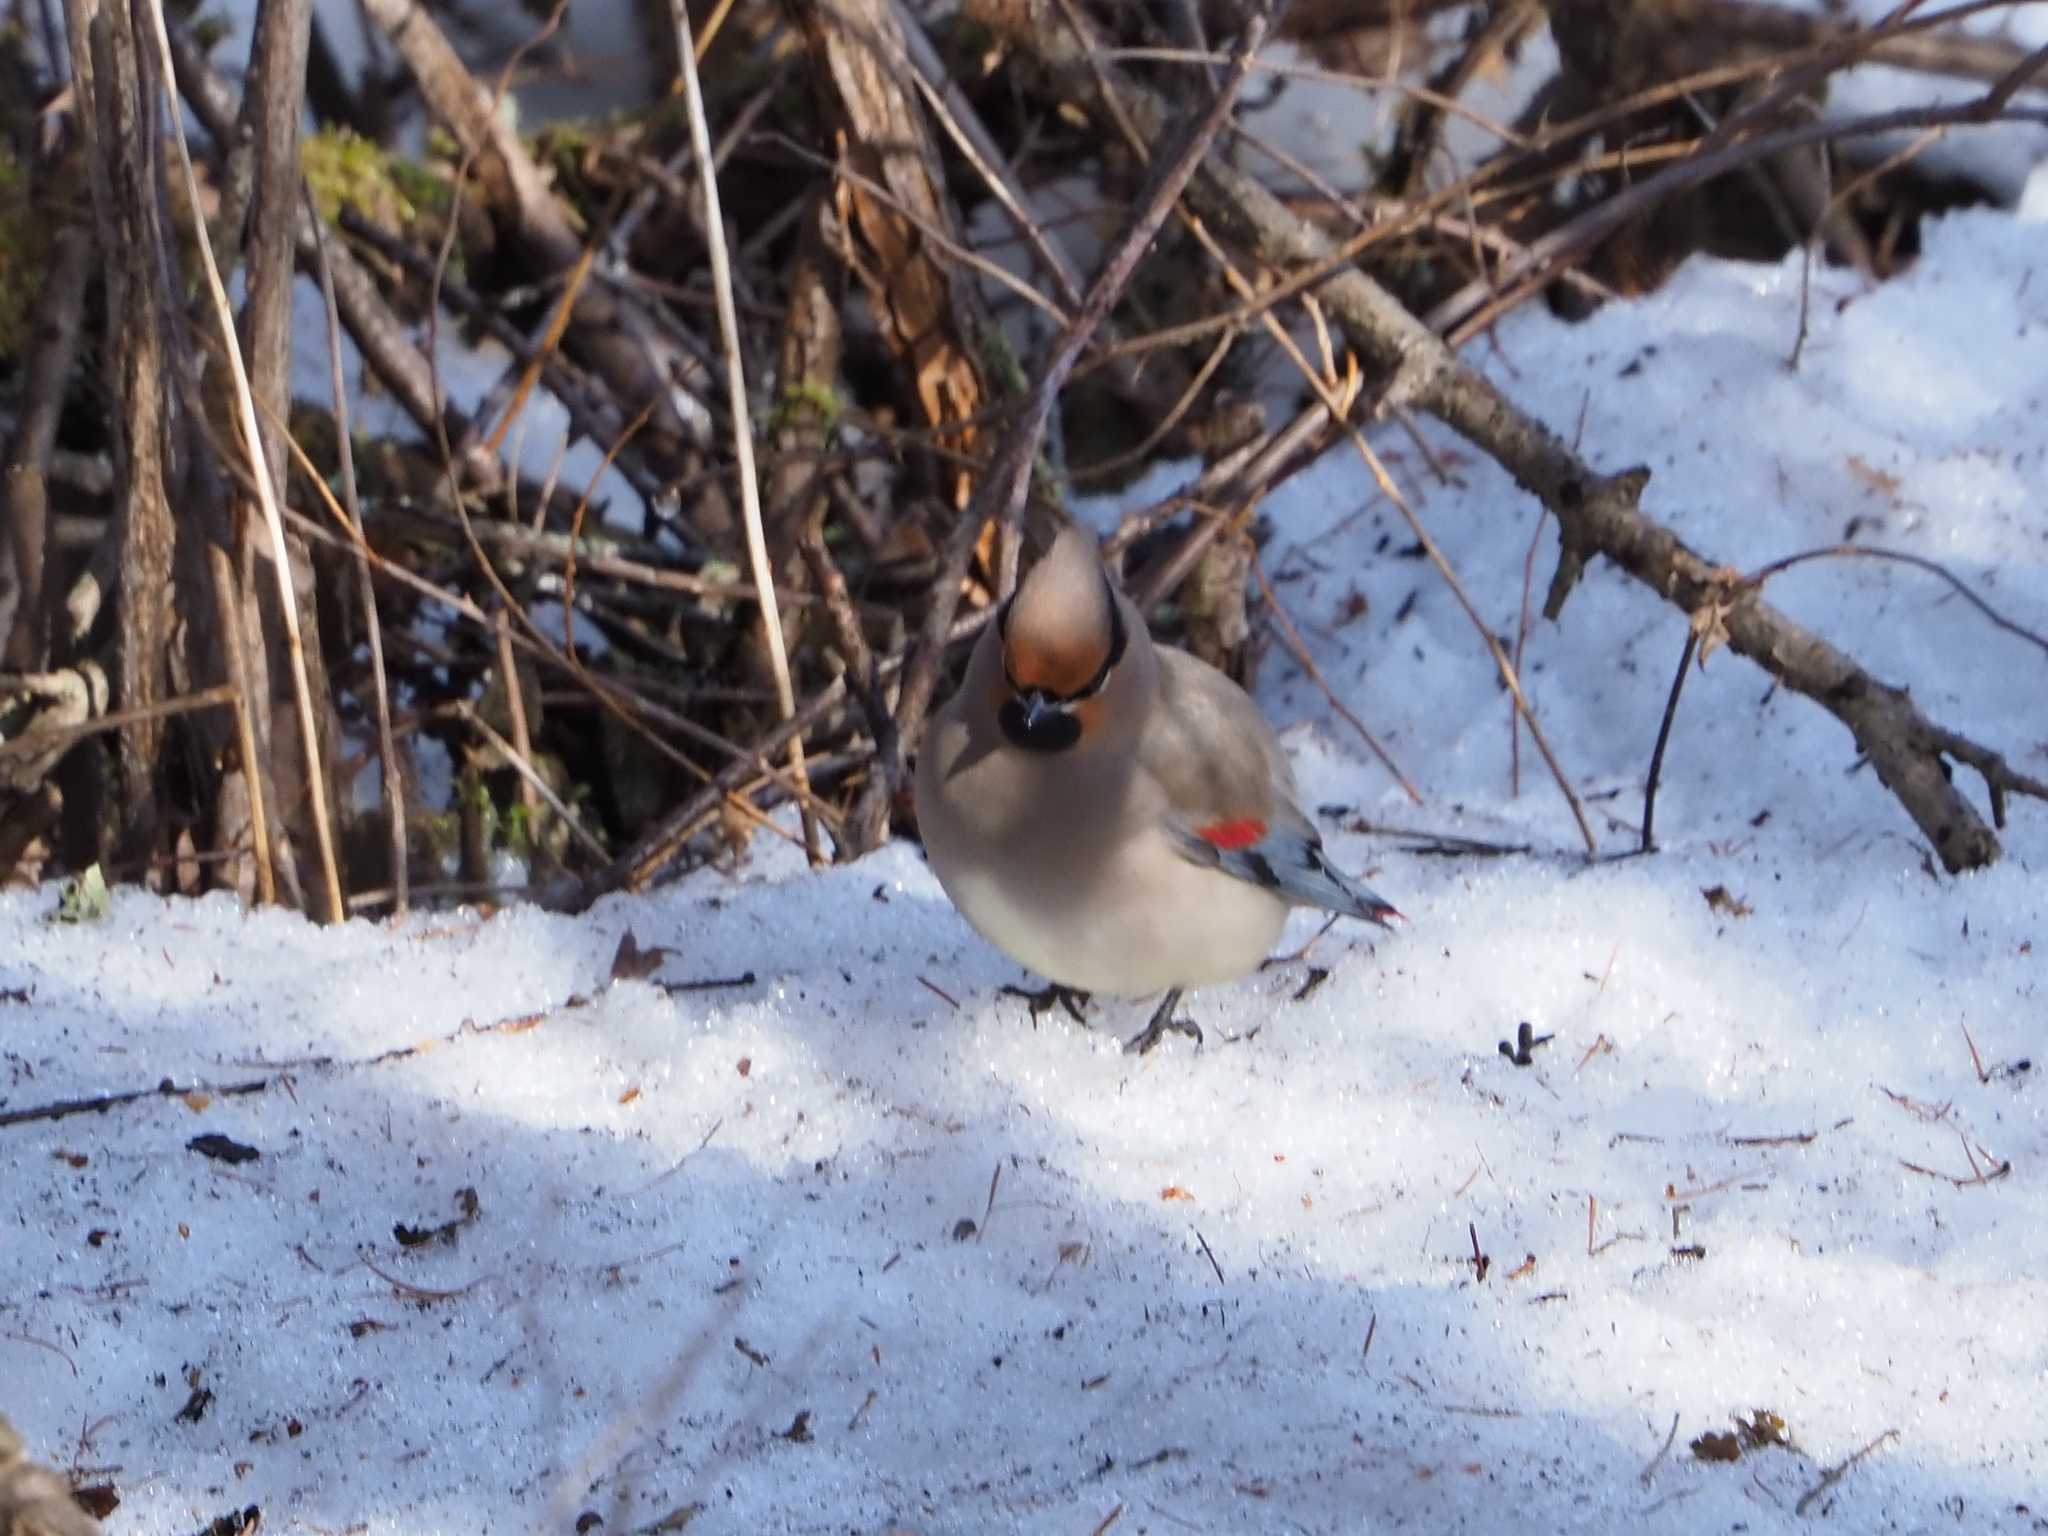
(857, 1246)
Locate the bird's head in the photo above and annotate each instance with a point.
(1063, 637)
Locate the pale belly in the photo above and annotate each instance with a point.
(1193, 927)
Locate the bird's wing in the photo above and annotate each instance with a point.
(1210, 748)
(1230, 792)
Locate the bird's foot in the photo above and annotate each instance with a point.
(1042, 1000)
(1162, 1024)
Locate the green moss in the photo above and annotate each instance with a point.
(806, 402)
(346, 170)
(209, 31)
(517, 830)
(474, 794)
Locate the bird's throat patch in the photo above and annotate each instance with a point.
(1054, 731)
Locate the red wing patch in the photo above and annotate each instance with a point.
(1232, 835)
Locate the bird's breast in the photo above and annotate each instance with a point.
(1065, 866)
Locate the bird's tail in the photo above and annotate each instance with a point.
(1289, 862)
(1316, 882)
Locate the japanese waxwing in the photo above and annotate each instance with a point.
(1114, 815)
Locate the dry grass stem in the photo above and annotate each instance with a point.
(742, 423)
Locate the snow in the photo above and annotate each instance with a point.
(855, 1245)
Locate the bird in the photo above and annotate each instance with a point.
(1114, 814)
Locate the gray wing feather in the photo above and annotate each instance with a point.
(1218, 760)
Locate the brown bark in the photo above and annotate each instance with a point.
(863, 71)
(24, 490)
(271, 110)
(807, 381)
(118, 97)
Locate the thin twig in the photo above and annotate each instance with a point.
(520, 760)
(1962, 589)
(100, 1103)
(1834, 1474)
(227, 591)
(1000, 497)
(1649, 1472)
(1976, 1060)
(864, 680)
(1339, 407)
(1649, 842)
(1141, 451)
(366, 589)
(1301, 655)
(520, 749)
(43, 739)
(1521, 645)
(742, 424)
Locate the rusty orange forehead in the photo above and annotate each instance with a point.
(1061, 666)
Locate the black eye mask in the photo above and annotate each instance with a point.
(1039, 720)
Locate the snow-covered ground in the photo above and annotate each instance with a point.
(855, 1245)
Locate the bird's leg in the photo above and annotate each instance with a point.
(1043, 1000)
(1162, 1024)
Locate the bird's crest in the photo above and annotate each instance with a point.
(1062, 631)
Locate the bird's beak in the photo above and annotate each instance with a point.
(1037, 708)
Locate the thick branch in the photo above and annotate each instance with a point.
(117, 88)
(1597, 513)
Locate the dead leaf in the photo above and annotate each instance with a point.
(1762, 1428)
(467, 1208)
(223, 1149)
(97, 1499)
(1717, 1445)
(1721, 901)
(632, 963)
(1873, 478)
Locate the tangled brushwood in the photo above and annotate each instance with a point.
(825, 360)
